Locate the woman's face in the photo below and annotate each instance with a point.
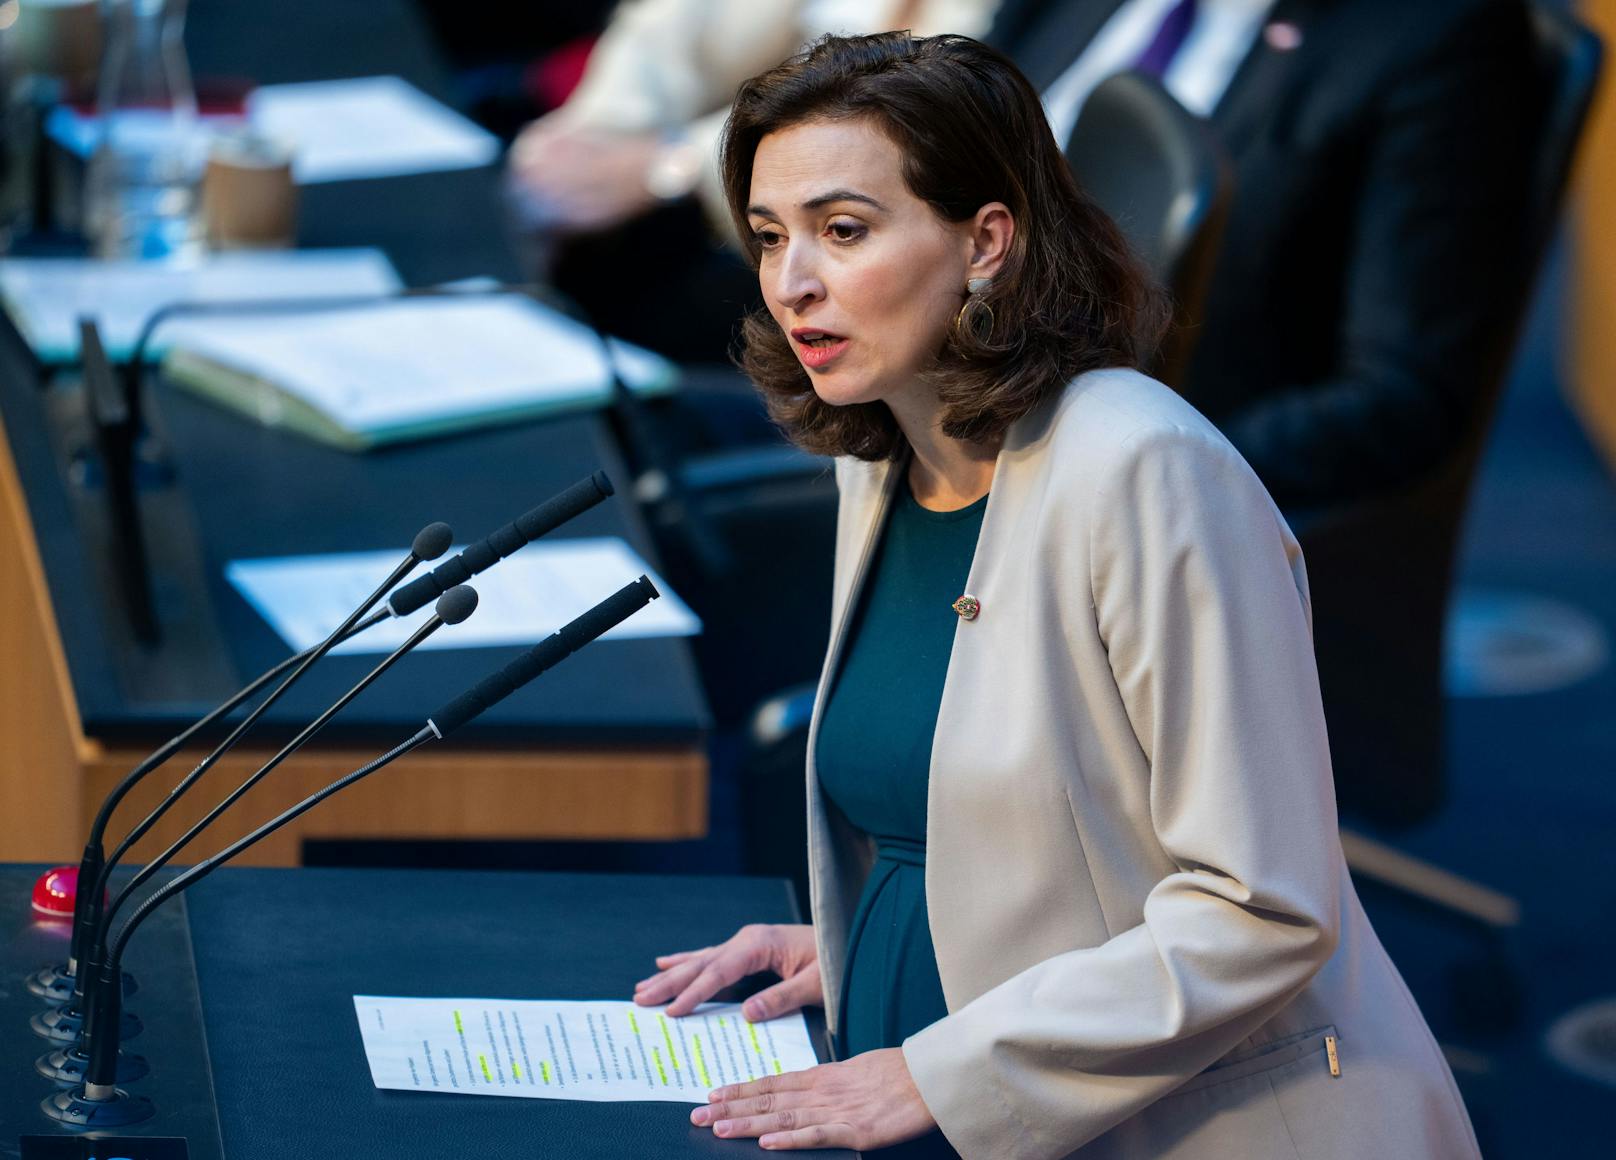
(861, 275)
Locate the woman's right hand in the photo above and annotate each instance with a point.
(690, 977)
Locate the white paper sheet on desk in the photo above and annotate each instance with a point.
(521, 600)
(338, 130)
(46, 296)
(369, 127)
(607, 1050)
(415, 363)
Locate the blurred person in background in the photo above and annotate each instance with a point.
(1362, 304)
(619, 187)
(1372, 258)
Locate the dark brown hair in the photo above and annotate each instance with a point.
(1069, 297)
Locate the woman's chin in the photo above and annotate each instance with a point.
(842, 390)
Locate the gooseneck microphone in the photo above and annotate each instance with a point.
(542, 520)
(95, 867)
(66, 1024)
(58, 984)
(99, 1102)
(55, 984)
(434, 539)
(453, 607)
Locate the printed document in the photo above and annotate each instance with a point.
(521, 600)
(47, 296)
(608, 1050)
(340, 130)
(406, 368)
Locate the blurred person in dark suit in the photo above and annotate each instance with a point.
(619, 187)
(1371, 260)
(1361, 307)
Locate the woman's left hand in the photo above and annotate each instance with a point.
(866, 1102)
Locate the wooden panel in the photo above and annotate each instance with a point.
(635, 794)
(41, 797)
(1591, 337)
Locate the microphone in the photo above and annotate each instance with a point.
(66, 1024)
(542, 520)
(434, 538)
(453, 607)
(54, 984)
(98, 1102)
(94, 867)
(553, 649)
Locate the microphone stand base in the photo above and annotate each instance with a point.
(63, 1025)
(66, 1067)
(73, 1109)
(55, 984)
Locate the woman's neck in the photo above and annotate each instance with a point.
(945, 474)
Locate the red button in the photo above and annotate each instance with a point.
(56, 890)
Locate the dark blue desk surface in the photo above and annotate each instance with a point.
(257, 492)
(281, 953)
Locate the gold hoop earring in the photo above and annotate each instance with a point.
(975, 307)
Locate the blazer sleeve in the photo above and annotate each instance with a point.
(1200, 600)
(1434, 272)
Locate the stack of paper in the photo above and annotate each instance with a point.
(406, 369)
(337, 130)
(370, 127)
(46, 296)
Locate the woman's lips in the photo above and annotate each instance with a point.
(818, 353)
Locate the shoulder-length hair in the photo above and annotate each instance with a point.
(1070, 295)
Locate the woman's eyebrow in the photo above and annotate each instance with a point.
(823, 200)
(834, 195)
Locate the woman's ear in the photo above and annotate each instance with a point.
(991, 232)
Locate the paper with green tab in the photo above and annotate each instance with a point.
(607, 1050)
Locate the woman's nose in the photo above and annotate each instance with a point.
(798, 282)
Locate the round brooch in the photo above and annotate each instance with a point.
(968, 607)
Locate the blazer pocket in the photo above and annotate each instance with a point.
(1269, 1056)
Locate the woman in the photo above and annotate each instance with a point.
(1076, 882)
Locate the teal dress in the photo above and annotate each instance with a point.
(874, 762)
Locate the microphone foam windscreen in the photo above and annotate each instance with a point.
(484, 554)
(432, 541)
(457, 604)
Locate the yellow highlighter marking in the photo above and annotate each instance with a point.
(634, 1024)
(458, 1028)
(777, 1067)
(482, 1061)
(701, 1063)
(544, 1069)
(673, 1056)
(516, 1069)
(756, 1046)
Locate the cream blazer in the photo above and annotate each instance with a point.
(1146, 934)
